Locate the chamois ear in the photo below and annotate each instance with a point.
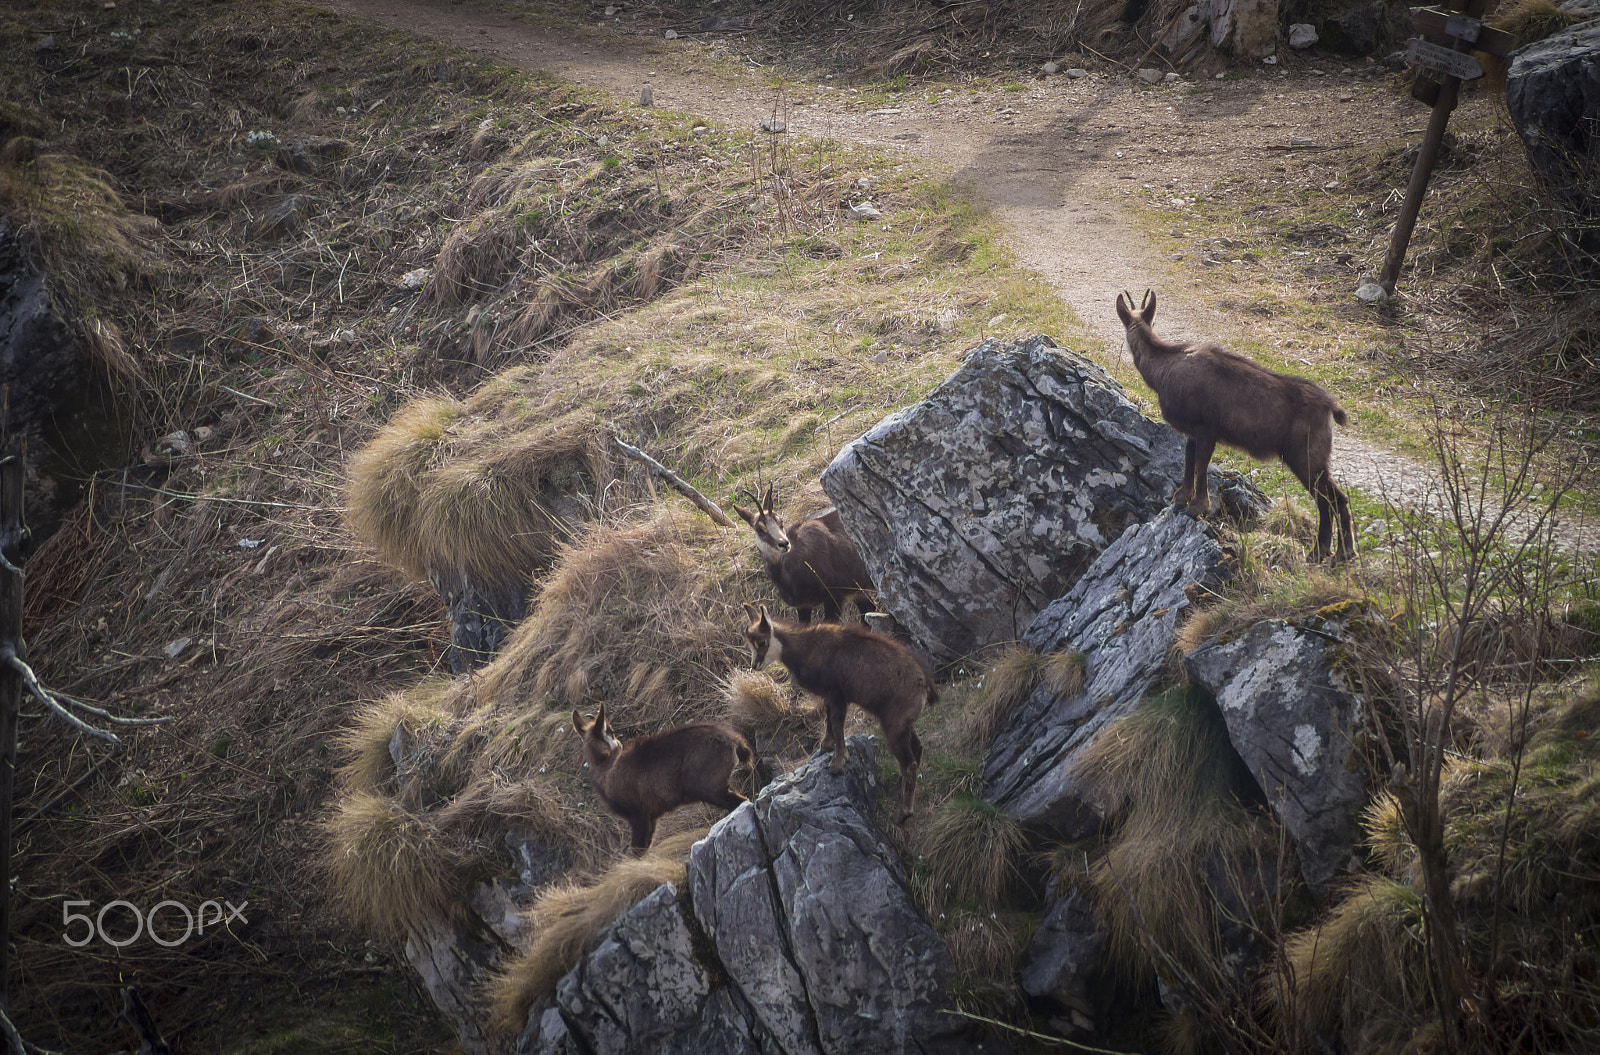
(1125, 309)
(600, 720)
(745, 515)
(750, 612)
(579, 726)
(766, 621)
(1147, 310)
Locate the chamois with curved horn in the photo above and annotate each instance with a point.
(812, 562)
(847, 663)
(645, 777)
(1216, 396)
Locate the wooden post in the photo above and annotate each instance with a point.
(1459, 28)
(13, 533)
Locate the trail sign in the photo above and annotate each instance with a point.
(1455, 63)
(1447, 27)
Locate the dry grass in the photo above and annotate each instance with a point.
(393, 869)
(971, 849)
(1171, 782)
(568, 917)
(1361, 968)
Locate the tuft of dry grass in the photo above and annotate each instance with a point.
(1362, 966)
(443, 490)
(970, 848)
(381, 730)
(568, 917)
(1008, 680)
(391, 868)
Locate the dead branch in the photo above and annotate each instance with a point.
(677, 482)
(58, 702)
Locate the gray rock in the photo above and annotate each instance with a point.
(452, 962)
(1147, 75)
(1553, 93)
(1302, 36)
(1064, 961)
(1364, 30)
(1077, 74)
(1050, 69)
(984, 502)
(1185, 28)
(647, 96)
(1294, 725)
(1121, 615)
(481, 615)
(807, 910)
(1586, 8)
(1248, 28)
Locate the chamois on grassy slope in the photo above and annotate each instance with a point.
(847, 663)
(651, 775)
(1215, 396)
(812, 562)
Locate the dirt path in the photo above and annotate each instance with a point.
(1056, 160)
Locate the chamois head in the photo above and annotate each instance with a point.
(764, 648)
(600, 744)
(1147, 309)
(771, 539)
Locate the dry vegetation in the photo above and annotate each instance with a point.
(454, 283)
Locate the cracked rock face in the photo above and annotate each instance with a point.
(1295, 726)
(795, 934)
(978, 506)
(1121, 615)
(1553, 93)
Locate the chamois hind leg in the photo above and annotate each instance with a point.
(1200, 487)
(1185, 490)
(1316, 481)
(908, 752)
(1344, 544)
(835, 737)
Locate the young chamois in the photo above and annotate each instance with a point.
(1215, 396)
(812, 562)
(651, 775)
(847, 663)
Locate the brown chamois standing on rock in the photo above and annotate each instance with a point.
(1215, 396)
(812, 562)
(651, 775)
(847, 663)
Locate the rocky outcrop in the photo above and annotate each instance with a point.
(1295, 725)
(1063, 962)
(1248, 28)
(981, 504)
(1553, 93)
(794, 933)
(1121, 615)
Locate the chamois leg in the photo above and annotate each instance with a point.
(1200, 488)
(644, 830)
(1331, 500)
(729, 799)
(908, 752)
(804, 612)
(1185, 490)
(835, 737)
(1316, 481)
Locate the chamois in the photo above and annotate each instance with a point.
(1215, 396)
(812, 562)
(847, 663)
(651, 775)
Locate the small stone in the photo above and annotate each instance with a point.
(1302, 36)
(174, 649)
(1077, 74)
(176, 442)
(1370, 293)
(699, 130)
(882, 356)
(1177, 257)
(646, 96)
(1301, 143)
(1270, 60)
(1222, 76)
(415, 280)
(610, 10)
(1050, 69)
(1147, 75)
(864, 211)
(774, 125)
(671, 34)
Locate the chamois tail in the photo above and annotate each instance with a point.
(1338, 414)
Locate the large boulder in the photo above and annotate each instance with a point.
(1121, 615)
(976, 507)
(1553, 93)
(1065, 962)
(795, 933)
(1296, 725)
(1248, 28)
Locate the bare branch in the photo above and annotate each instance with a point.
(677, 482)
(55, 701)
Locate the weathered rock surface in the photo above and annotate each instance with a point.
(481, 615)
(1245, 27)
(797, 935)
(979, 505)
(1184, 29)
(1366, 29)
(1121, 615)
(1553, 93)
(1295, 726)
(1064, 961)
